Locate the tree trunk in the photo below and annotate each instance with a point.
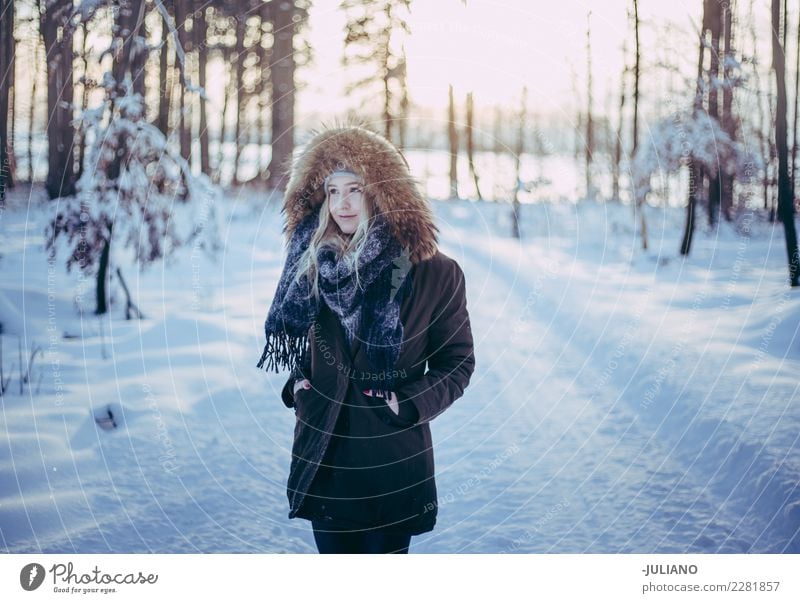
(164, 83)
(184, 124)
(131, 309)
(32, 109)
(773, 155)
(129, 25)
(200, 31)
(84, 99)
(452, 136)
(695, 171)
(240, 93)
(471, 145)
(102, 278)
(497, 132)
(139, 53)
(387, 112)
(635, 136)
(589, 118)
(785, 201)
(261, 94)
(223, 130)
(385, 53)
(695, 176)
(11, 167)
(402, 125)
(518, 151)
(618, 143)
(61, 176)
(796, 95)
(764, 118)
(714, 18)
(282, 68)
(637, 202)
(6, 66)
(728, 120)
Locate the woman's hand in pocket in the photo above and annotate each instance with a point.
(392, 402)
(301, 384)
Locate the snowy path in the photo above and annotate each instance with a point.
(601, 460)
(577, 472)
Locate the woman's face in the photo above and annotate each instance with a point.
(345, 201)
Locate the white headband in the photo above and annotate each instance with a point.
(339, 173)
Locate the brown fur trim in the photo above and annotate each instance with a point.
(386, 178)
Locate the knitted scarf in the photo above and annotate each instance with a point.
(369, 309)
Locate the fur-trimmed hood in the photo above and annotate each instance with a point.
(386, 179)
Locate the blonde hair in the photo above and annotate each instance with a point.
(328, 234)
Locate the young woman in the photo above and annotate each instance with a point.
(364, 302)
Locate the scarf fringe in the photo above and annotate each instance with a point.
(283, 351)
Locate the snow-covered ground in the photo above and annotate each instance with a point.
(623, 401)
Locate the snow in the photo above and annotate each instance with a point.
(623, 401)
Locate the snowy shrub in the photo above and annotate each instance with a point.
(676, 139)
(135, 191)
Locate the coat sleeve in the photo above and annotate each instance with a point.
(450, 354)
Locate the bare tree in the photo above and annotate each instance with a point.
(131, 53)
(287, 19)
(728, 118)
(470, 143)
(372, 26)
(794, 121)
(57, 37)
(404, 103)
(785, 201)
(765, 116)
(32, 110)
(239, 55)
(638, 201)
(86, 85)
(263, 89)
(636, 72)
(518, 151)
(589, 117)
(615, 170)
(199, 33)
(497, 132)
(228, 87)
(164, 82)
(452, 137)
(712, 17)
(695, 167)
(6, 84)
(184, 123)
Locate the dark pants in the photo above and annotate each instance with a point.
(359, 541)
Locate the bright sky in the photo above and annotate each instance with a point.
(493, 48)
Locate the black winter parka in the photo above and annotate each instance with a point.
(355, 463)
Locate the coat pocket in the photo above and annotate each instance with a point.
(407, 417)
(301, 401)
(313, 407)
